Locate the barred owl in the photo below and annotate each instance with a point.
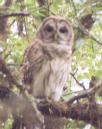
(47, 60)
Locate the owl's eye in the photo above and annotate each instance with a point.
(49, 28)
(63, 29)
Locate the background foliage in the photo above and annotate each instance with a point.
(20, 31)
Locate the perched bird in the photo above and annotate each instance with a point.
(46, 62)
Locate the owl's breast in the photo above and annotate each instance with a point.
(59, 70)
(51, 78)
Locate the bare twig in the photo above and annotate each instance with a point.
(86, 93)
(80, 84)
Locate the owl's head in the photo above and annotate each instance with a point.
(55, 29)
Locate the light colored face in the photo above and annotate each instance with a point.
(56, 30)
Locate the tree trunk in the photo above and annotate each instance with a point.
(3, 21)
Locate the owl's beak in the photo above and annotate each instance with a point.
(56, 37)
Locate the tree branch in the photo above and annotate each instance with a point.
(80, 84)
(77, 112)
(21, 108)
(14, 14)
(86, 93)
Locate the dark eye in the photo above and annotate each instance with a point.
(63, 29)
(49, 28)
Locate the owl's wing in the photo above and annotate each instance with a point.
(32, 59)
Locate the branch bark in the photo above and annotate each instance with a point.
(86, 112)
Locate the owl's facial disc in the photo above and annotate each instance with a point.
(56, 30)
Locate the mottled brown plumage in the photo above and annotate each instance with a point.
(47, 60)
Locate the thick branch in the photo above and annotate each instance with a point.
(86, 112)
(21, 109)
